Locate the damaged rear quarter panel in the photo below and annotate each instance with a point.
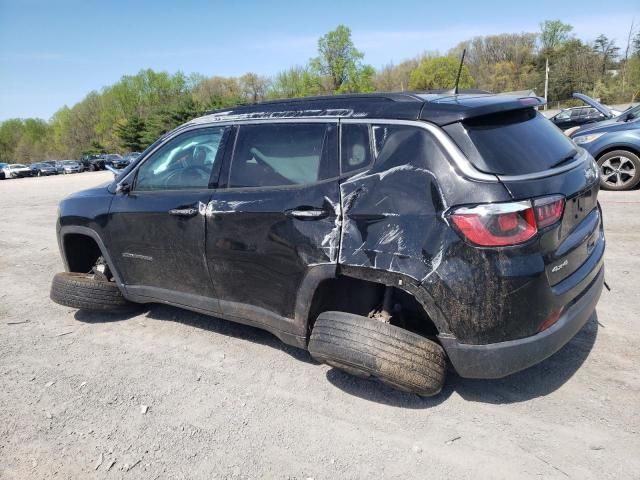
(394, 221)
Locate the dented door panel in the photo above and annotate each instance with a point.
(158, 249)
(260, 243)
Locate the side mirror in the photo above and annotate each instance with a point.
(123, 187)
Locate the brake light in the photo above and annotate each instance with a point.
(548, 210)
(504, 224)
(497, 224)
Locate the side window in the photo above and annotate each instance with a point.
(186, 162)
(562, 116)
(279, 154)
(355, 147)
(577, 113)
(397, 142)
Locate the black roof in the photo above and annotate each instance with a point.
(439, 107)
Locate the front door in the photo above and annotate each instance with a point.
(277, 216)
(157, 229)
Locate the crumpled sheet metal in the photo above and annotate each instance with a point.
(392, 214)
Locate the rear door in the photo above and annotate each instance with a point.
(276, 217)
(157, 229)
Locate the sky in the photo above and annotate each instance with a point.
(52, 53)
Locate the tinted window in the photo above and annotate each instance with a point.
(577, 113)
(186, 162)
(512, 143)
(272, 155)
(355, 148)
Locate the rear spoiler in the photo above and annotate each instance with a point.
(457, 108)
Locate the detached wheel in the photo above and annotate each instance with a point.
(83, 291)
(366, 347)
(619, 170)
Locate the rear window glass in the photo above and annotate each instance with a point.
(512, 143)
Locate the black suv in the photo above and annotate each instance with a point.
(383, 233)
(92, 162)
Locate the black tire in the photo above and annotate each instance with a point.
(84, 292)
(619, 170)
(366, 347)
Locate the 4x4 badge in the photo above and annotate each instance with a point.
(559, 267)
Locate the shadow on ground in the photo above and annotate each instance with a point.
(204, 322)
(536, 381)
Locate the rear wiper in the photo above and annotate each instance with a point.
(566, 159)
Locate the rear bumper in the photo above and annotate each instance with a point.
(496, 360)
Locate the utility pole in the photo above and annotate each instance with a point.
(546, 83)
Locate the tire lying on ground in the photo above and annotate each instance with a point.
(367, 347)
(85, 292)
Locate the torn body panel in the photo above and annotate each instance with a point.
(394, 221)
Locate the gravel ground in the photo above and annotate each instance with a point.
(173, 394)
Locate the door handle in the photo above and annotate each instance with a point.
(183, 212)
(306, 213)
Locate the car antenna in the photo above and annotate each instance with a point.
(455, 86)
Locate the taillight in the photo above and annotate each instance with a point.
(496, 224)
(548, 210)
(504, 224)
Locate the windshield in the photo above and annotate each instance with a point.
(69, 162)
(634, 112)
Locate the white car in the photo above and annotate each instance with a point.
(17, 170)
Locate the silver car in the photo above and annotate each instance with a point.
(71, 166)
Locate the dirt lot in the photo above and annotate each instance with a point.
(230, 401)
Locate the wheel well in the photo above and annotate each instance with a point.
(81, 252)
(612, 149)
(360, 297)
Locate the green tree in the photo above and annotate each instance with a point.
(253, 87)
(341, 63)
(131, 132)
(10, 134)
(553, 33)
(607, 50)
(217, 92)
(439, 72)
(295, 82)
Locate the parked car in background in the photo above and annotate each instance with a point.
(116, 161)
(576, 116)
(92, 162)
(615, 144)
(131, 156)
(55, 164)
(43, 168)
(17, 170)
(593, 112)
(71, 166)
